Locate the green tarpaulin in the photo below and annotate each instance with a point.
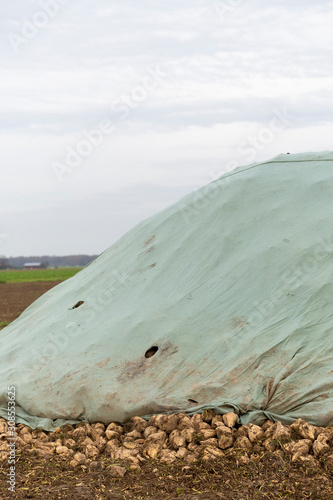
(228, 293)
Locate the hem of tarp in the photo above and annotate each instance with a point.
(245, 416)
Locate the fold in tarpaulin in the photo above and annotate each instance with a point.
(223, 300)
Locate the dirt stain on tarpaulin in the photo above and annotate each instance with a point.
(169, 349)
(148, 267)
(134, 369)
(103, 363)
(148, 242)
(150, 249)
(271, 390)
(153, 408)
(239, 322)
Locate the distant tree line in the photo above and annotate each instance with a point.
(4, 264)
(47, 261)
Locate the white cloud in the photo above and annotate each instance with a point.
(226, 76)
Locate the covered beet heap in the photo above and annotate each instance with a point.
(223, 301)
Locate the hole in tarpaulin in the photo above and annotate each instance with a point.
(192, 401)
(151, 352)
(78, 304)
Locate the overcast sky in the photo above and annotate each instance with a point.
(112, 110)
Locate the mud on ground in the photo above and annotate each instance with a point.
(268, 477)
(15, 297)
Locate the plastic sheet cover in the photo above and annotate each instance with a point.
(222, 300)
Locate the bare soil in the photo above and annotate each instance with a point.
(15, 297)
(268, 477)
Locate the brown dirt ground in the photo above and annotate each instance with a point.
(15, 297)
(268, 477)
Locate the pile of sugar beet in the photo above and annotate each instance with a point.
(169, 438)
